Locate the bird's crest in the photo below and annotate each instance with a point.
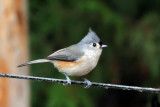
(91, 37)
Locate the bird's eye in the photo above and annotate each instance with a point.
(94, 44)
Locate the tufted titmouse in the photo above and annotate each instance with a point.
(76, 60)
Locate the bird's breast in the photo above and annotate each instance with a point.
(80, 67)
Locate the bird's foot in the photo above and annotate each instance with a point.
(68, 80)
(88, 83)
(67, 83)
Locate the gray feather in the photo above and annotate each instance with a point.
(91, 37)
(71, 54)
(33, 62)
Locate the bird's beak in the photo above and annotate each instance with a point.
(103, 46)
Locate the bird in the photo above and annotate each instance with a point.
(76, 60)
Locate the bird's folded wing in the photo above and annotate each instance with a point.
(69, 54)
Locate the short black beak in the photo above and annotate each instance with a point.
(102, 45)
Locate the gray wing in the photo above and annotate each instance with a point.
(67, 54)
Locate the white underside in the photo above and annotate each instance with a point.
(83, 68)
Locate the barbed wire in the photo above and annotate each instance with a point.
(104, 85)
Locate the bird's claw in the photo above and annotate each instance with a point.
(88, 83)
(68, 82)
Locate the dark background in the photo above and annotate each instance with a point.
(130, 28)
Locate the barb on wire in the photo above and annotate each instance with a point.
(104, 85)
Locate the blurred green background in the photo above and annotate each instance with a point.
(130, 28)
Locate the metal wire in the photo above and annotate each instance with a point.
(104, 85)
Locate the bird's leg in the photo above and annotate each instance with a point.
(88, 83)
(68, 79)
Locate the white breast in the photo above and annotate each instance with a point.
(87, 63)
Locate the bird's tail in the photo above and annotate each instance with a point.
(33, 62)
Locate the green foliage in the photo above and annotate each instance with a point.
(131, 29)
(68, 97)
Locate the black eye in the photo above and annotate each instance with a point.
(94, 44)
